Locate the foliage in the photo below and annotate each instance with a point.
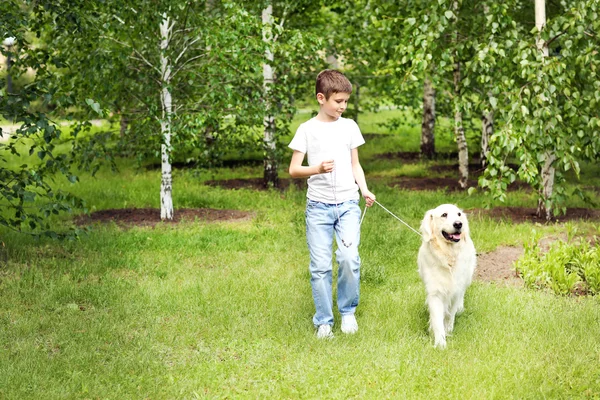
(567, 267)
(547, 104)
(541, 105)
(27, 195)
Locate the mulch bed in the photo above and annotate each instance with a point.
(127, 217)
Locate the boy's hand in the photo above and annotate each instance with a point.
(326, 166)
(369, 198)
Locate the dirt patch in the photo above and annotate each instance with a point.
(149, 217)
(498, 266)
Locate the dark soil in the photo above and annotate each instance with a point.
(128, 217)
(495, 267)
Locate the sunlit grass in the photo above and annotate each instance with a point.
(223, 310)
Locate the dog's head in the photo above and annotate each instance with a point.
(447, 222)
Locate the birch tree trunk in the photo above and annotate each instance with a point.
(428, 124)
(270, 161)
(459, 130)
(544, 206)
(166, 183)
(487, 120)
(212, 126)
(356, 101)
(487, 129)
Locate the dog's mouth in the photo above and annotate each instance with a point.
(452, 237)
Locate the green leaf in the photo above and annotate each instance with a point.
(94, 106)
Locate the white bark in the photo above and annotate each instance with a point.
(459, 130)
(487, 129)
(270, 165)
(428, 123)
(487, 120)
(544, 206)
(166, 183)
(540, 21)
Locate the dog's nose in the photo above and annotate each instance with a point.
(457, 225)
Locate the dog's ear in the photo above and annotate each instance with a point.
(465, 228)
(426, 230)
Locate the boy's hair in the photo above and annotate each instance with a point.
(331, 81)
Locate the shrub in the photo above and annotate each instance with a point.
(567, 267)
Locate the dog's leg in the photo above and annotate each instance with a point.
(449, 320)
(456, 308)
(437, 311)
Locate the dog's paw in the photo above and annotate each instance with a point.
(440, 344)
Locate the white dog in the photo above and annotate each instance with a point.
(446, 261)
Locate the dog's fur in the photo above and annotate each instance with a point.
(446, 261)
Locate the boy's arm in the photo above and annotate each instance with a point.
(297, 170)
(359, 177)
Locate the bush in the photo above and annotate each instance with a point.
(567, 267)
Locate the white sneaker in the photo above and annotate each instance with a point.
(324, 332)
(349, 324)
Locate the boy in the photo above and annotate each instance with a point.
(335, 175)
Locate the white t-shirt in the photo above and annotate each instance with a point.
(322, 141)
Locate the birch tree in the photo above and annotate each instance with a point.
(289, 51)
(270, 161)
(549, 120)
(428, 125)
(181, 66)
(459, 130)
(549, 156)
(166, 102)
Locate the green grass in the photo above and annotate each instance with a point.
(223, 310)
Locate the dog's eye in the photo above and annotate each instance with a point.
(444, 215)
(459, 214)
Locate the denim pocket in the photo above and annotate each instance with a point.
(312, 205)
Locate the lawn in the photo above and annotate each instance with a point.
(223, 309)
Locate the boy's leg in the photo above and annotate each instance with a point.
(348, 237)
(319, 236)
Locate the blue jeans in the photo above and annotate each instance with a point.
(321, 223)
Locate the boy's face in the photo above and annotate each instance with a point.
(333, 107)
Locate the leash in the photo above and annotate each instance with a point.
(392, 214)
(333, 183)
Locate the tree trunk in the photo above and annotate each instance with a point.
(487, 120)
(487, 129)
(270, 177)
(544, 208)
(459, 130)
(166, 199)
(356, 101)
(212, 125)
(123, 124)
(428, 124)
(9, 84)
